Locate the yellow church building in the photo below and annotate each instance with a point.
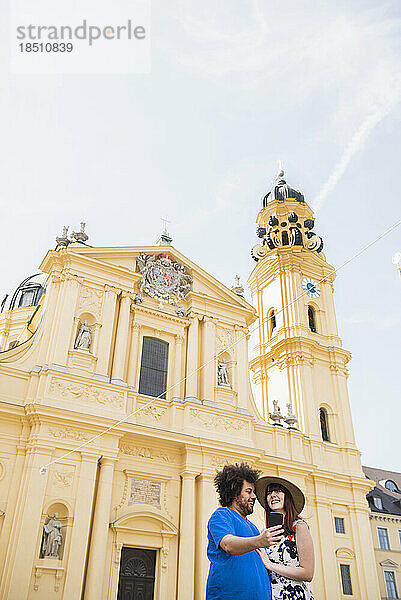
(126, 382)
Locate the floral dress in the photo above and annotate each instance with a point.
(285, 553)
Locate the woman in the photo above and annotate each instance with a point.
(291, 561)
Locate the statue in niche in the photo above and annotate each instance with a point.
(84, 337)
(52, 538)
(222, 373)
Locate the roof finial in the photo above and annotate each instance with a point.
(63, 240)
(80, 236)
(237, 288)
(165, 239)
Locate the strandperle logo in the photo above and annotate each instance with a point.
(84, 31)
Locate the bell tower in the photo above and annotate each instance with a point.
(299, 363)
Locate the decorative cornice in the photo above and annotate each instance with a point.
(216, 422)
(144, 452)
(382, 517)
(111, 288)
(126, 295)
(70, 390)
(159, 313)
(69, 433)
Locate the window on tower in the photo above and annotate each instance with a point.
(153, 376)
(324, 427)
(272, 321)
(312, 319)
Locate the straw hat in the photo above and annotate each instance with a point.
(297, 495)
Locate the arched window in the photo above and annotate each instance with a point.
(324, 425)
(153, 377)
(312, 319)
(391, 485)
(272, 321)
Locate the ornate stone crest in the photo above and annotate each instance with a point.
(163, 278)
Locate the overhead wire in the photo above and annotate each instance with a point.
(260, 322)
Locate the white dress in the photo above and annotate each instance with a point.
(285, 553)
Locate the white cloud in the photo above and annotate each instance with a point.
(347, 54)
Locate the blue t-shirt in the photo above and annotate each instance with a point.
(242, 577)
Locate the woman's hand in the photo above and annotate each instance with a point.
(265, 559)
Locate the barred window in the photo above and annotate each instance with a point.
(346, 580)
(153, 376)
(339, 523)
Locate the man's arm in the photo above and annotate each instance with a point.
(236, 545)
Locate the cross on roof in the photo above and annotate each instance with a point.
(165, 221)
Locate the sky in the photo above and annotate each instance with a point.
(234, 86)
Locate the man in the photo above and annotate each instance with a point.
(236, 570)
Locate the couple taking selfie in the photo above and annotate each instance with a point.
(245, 564)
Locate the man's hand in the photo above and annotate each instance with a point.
(241, 545)
(271, 536)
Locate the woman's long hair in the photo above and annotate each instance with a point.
(291, 514)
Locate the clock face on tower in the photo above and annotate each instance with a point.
(311, 287)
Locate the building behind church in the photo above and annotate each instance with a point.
(125, 384)
(385, 518)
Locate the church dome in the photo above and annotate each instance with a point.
(281, 191)
(27, 293)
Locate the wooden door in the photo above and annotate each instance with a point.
(137, 574)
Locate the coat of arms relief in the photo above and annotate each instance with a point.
(163, 278)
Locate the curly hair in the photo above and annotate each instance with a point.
(229, 481)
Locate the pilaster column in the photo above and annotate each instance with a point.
(206, 503)
(343, 406)
(325, 552)
(242, 366)
(192, 359)
(177, 372)
(80, 530)
(12, 505)
(365, 562)
(208, 372)
(134, 353)
(51, 316)
(6, 331)
(186, 560)
(62, 341)
(15, 583)
(106, 333)
(120, 351)
(100, 530)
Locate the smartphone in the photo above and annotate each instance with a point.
(275, 518)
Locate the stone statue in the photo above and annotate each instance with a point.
(291, 418)
(222, 373)
(276, 415)
(80, 236)
(84, 337)
(52, 538)
(63, 239)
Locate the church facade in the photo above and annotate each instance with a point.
(124, 386)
